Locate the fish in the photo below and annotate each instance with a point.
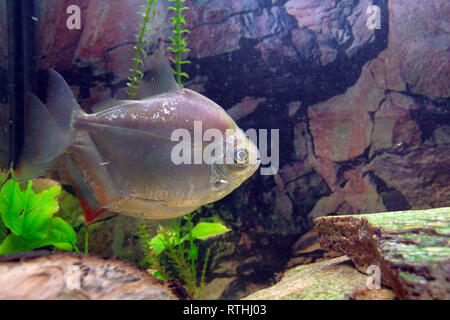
(120, 157)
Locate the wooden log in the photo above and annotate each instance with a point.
(44, 275)
(411, 248)
(334, 279)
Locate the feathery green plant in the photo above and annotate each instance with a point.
(173, 252)
(147, 16)
(178, 45)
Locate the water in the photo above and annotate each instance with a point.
(353, 97)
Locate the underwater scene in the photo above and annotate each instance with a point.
(225, 150)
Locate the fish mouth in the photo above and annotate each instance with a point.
(220, 173)
(221, 183)
(221, 178)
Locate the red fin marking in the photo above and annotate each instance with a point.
(90, 213)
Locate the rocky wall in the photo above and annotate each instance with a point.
(363, 114)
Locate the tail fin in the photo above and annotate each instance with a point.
(48, 132)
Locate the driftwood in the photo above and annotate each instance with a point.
(45, 275)
(411, 248)
(335, 279)
(308, 250)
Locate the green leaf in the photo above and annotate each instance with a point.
(12, 244)
(61, 235)
(38, 213)
(187, 237)
(64, 246)
(158, 244)
(36, 226)
(158, 276)
(61, 231)
(3, 231)
(30, 218)
(11, 206)
(184, 74)
(205, 230)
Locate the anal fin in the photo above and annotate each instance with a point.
(89, 178)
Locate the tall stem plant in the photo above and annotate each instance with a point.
(179, 45)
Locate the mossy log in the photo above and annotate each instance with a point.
(411, 248)
(335, 279)
(70, 276)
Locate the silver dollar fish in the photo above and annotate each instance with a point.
(120, 158)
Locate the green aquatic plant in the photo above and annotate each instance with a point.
(27, 220)
(4, 176)
(179, 45)
(174, 254)
(3, 230)
(147, 15)
(86, 238)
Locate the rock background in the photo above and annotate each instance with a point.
(363, 115)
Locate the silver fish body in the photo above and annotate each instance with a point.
(121, 159)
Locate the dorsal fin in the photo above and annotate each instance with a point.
(157, 80)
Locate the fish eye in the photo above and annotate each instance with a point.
(241, 156)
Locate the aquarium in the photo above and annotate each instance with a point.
(224, 150)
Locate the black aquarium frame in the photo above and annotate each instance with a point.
(21, 68)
